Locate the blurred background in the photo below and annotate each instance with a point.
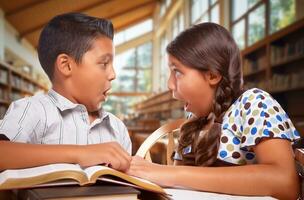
(270, 35)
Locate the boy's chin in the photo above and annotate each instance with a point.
(95, 107)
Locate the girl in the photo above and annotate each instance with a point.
(235, 142)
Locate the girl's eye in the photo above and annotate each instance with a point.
(177, 73)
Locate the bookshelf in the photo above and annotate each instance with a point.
(276, 64)
(15, 85)
(160, 106)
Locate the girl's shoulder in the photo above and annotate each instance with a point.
(253, 95)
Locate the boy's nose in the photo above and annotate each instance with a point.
(112, 74)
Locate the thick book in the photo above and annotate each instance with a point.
(70, 174)
(104, 192)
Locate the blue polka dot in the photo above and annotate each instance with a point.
(223, 154)
(262, 114)
(266, 132)
(236, 140)
(259, 96)
(284, 136)
(264, 105)
(279, 118)
(225, 126)
(249, 156)
(248, 112)
(241, 128)
(236, 112)
(296, 133)
(268, 124)
(253, 131)
(245, 100)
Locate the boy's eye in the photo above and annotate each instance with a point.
(104, 64)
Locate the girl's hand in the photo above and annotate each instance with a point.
(144, 169)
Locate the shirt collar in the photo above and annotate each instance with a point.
(63, 104)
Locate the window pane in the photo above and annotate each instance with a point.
(124, 81)
(181, 22)
(282, 13)
(175, 28)
(144, 55)
(198, 8)
(238, 32)
(215, 14)
(123, 63)
(213, 2)
(121, 106)
(133, 32)
(144, 80)
(205, 18)
(239, 7)
(256, 25)
(163, 63)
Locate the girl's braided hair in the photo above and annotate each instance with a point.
(208, 47)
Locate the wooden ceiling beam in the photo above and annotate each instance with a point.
(24, 7)
(40, 26)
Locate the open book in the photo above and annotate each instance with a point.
(70, 174)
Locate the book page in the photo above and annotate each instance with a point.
(97, 172)
(17, 175)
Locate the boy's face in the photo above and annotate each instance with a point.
(91, 79)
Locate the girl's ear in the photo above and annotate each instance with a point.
(64, 64)
(213, 78)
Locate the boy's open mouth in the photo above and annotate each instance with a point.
(106, 92)
(186, 106)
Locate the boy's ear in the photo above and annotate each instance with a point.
(63, 64)
(213, 78)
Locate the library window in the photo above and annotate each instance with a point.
(253, 14)
(256, 25)
(238, 32)
(133, 32)
(163, 7)
(239, 8)
(177, 24)
(282, 13)
(164, 71)
(205, 11)
(133, 70)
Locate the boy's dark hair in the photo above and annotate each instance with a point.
(208, 47)
(72, 34)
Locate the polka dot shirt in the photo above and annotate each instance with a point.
(253, 116)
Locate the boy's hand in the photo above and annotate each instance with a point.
(110, 154)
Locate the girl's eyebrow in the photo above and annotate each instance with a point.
(172, 64)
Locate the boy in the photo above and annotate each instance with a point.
(68, 125)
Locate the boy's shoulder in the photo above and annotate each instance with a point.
(36, 101)
(115, 122)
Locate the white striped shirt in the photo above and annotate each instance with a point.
(53, 119)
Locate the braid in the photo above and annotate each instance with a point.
(188, 134)
(208, 47)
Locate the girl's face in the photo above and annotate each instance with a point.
(194, 87)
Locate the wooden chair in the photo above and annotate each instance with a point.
(168, 130)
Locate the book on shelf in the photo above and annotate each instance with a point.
(62, 174)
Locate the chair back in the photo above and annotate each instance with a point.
(166, 130)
